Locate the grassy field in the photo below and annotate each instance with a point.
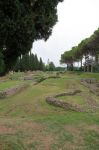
(27, 122)
(8, 84)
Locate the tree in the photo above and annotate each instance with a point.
(87, 47)
(25, 62)
(68, 58)
(36, 62)
(41, 65)
(2, 65)
(23, 22)
(29, 62)
(17, 66)
(51, 66)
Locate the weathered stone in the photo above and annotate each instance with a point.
(12, 91)
(89, 80)
(67, 93)
(28, 78)
(59, 103)
(92, 84)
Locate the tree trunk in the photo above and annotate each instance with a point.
(96, 58)
(81, 64)
(84, 68)
(72, 67)
(91, 68)
(88, 68)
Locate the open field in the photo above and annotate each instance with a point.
(27, 122)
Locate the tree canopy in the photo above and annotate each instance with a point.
(23, 22)
(29, 63)
(88, 46)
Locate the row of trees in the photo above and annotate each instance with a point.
(21, 23)
(87, 51)
(30, 62)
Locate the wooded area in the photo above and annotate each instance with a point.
(87, 52)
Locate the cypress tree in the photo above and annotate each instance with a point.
(2, 65)
(29, 62)
(36, 62)
(41, 65)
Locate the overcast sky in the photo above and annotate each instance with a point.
(77, 19)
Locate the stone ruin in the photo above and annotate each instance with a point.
(92, 84)
(65, 105)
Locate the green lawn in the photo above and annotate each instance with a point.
(27, 122)
(8, 84)
(76, 99)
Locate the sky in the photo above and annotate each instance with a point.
(77, 20)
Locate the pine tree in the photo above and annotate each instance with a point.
(51, 66)
(29, 62)
(25, 62)
(2, 65)
(32, 63)
(17, 66)
(36, 62)
(41, 65)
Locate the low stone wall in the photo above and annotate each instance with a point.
(71, 93)
(59, 103)
(89, 80)
(12, 91)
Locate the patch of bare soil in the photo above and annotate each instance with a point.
(76, 132)
(30, 125)
(35, 135)
(1, 146)
(93, 127)
(6, 130)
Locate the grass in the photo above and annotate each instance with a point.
(76, 99)
(12, 143)
(27, 122)
(8, 84)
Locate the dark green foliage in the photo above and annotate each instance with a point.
(87, 47)
(50, 66)
(17, 65)
(60, 68)
(21, 23)
(41, 65)
(2, 65)
(36, 63)
(29, 63)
